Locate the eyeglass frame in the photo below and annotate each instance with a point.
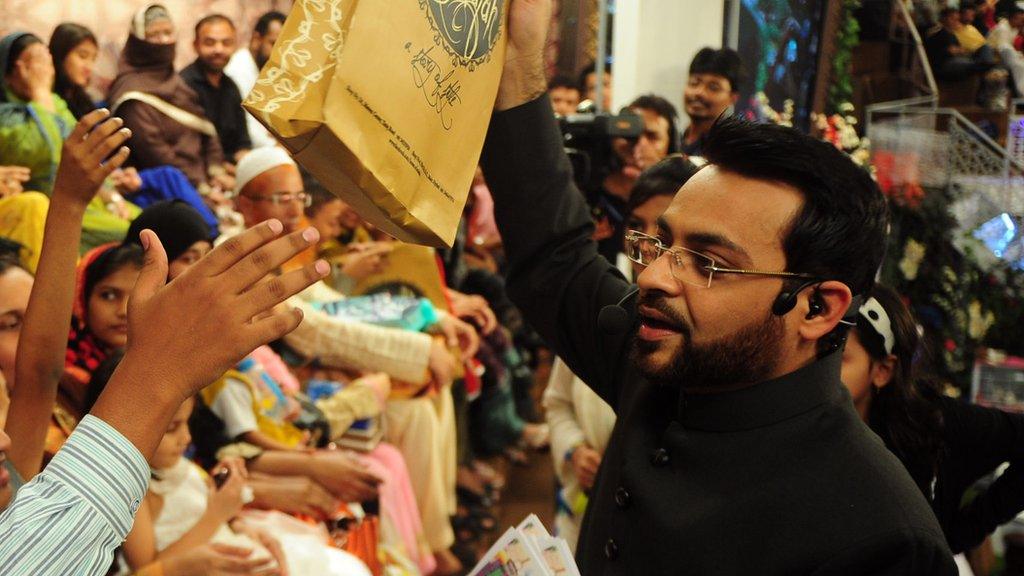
(275, 198)
(632, 235)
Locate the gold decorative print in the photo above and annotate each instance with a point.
(467, 29)
(305, 60)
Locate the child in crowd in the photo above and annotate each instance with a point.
(183, 510)
(99, 326)
(945, 444)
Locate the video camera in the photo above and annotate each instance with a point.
(588, 142)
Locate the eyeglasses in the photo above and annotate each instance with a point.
(688, 266)
(279, 198)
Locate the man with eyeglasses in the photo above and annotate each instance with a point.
(737, 449)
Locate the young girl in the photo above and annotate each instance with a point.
(946, 445)
(184, 510)
(99, 325)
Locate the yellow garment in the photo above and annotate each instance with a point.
(970, 38)
(262, 404)
(346, 406)
(22, 219)
(423, 430)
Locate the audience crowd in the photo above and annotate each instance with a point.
(359, 442)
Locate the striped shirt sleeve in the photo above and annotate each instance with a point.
(71, 517)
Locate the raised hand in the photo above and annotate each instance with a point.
(185, 335)
(92, 152)
(522, 79)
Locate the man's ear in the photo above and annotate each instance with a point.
(821, 308)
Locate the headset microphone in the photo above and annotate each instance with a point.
(613, 319)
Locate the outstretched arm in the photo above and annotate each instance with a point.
(555, 274)
(40, 357)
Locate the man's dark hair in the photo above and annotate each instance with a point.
(563, 81)
(213, 19)
(663, 179)
(666, 110)
(724, 62)
(581, 80)
(947, 11)
(263, 24)
(840, 232)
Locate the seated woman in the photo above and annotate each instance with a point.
(33, 125)
(167, 122)
(74, 49)
(946, 445)
(99, 326)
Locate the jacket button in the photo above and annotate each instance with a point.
(611, 549)
(660, 457)
(622, 497)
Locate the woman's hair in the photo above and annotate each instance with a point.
(903, 411)
(66, 37)
(108, 263)
(9, 256)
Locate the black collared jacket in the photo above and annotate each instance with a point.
(778, 479)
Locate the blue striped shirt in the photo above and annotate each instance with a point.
(69, 519)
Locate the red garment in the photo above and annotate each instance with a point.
(1018, 43)
(85, 351)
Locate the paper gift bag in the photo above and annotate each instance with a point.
(387, 103)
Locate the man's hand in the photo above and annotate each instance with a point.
(475, 308)
(460, 334)
(522, 80)
(86, 159)
(221, 294)
(440, 363)
(367, 260)
(185, 335)
(344, 476)
(585, 462)
(294, 495)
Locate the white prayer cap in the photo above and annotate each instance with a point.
(257, 162)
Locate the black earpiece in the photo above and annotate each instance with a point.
(816, 306)
(786, 301)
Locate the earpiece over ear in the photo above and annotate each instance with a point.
(816, 307)
(786, 300)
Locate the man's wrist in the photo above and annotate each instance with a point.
(521, 83)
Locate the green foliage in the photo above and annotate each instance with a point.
(840, 88)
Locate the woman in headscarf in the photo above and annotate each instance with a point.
(167, 122)
(34, 121)
(105, 277)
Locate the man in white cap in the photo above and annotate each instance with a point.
(269, 185)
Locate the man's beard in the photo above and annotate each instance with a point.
(744, 358)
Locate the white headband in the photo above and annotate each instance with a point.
(875, 314)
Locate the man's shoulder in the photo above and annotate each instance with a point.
(191, 74)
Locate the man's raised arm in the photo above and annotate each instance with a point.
(555, 274)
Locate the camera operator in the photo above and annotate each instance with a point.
(565, 95)
(656, 141)
(737, 449)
